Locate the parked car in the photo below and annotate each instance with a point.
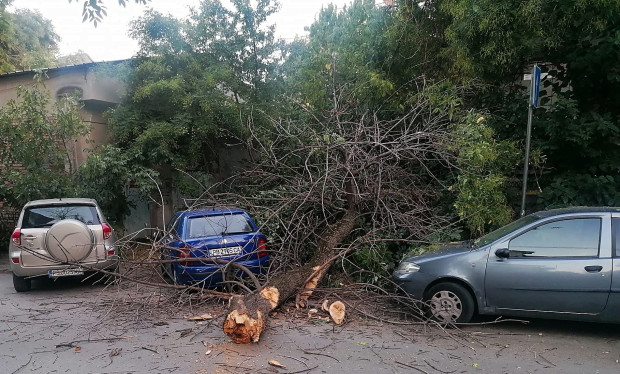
(562, 264)
(60, 238)
(217, 233)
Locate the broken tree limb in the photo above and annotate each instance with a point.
(247, 315)
(301, 281)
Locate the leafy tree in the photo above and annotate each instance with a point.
(105, 175)
(27, 39)
(37, 146)
(485, 165)
(198, 82)
(487, 46)
(344, 61)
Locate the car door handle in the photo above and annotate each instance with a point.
(593, 268)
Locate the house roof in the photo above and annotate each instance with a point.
(60, 67)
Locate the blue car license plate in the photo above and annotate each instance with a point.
(226, 251)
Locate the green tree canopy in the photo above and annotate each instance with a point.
(27, 39)
(197, 82)
(36, 152)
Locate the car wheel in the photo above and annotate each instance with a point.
(164, 272)
(450, 303)
(21, 284)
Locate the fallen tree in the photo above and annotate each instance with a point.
(334, 186)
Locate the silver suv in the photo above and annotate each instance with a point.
(60, 238)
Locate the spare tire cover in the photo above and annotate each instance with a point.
(69, 241)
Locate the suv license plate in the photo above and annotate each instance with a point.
(65, 272)
(227, 251)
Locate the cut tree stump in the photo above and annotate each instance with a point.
(247, 315)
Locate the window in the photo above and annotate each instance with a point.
(566, 238)
(494, 235)
(69, 92)
(45, 216)
(218, 225)
(615, 223)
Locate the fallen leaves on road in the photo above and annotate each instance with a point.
(202, 317)
(276, 364)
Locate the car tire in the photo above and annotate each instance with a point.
(21, 284)
(164, 272)
(450, 303)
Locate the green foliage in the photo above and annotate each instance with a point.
(27, 40)
(343, 63)
(36, 156)
(484, 164)
(488, 45)
(199, 82)
(374, 264)
(105, 176)
(495, 40)
(95, 10)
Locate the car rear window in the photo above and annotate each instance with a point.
(44, 216)
(218, 225)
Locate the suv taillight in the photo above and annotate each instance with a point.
(107, 231)
(16, 237)
(184, 253)
(262, 247)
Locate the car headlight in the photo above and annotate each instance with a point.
(406, 267)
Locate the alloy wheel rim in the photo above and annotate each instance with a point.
(446, 306)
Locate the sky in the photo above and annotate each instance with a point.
(109, 41)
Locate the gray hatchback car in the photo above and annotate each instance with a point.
(60, 238)
(551, 264)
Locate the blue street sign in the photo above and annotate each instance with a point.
(535, 86)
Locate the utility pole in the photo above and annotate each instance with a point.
(532, 103)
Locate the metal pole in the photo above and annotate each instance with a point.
(527, 153)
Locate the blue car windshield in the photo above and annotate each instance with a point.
(200, 227)
(494, 235)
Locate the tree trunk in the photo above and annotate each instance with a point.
(300, 282)
(248, 314)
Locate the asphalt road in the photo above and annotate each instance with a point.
(73, 327)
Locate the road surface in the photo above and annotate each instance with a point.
(73, 327)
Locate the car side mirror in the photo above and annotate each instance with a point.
(502, 253)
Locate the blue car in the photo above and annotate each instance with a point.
(218, 233)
